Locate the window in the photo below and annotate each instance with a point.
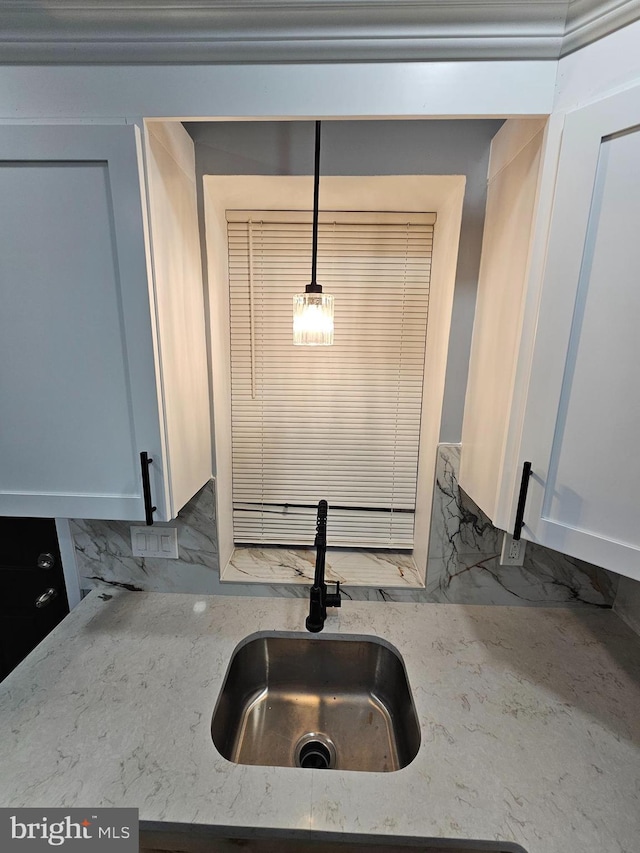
(343, 422)
(442, 194)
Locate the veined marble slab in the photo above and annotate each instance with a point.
(464, 551)
(462, 567)
(104, 557)
(352, 567)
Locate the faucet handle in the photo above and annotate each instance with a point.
(333, 599)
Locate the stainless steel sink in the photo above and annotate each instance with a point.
(322, 702)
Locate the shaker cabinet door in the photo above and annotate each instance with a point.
(582, 423)
(78, 391)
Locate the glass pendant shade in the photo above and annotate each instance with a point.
(313, 319)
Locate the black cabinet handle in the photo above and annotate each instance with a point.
(149, 509)
(47, 596)
(522, 499)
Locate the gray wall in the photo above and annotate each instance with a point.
(375, 148)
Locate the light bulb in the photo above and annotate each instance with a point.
(313, 319)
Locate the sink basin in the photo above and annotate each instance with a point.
(290, 700)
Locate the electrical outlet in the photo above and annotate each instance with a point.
(155, 541)
(512, 551)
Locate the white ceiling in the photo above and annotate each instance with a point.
(160, 31)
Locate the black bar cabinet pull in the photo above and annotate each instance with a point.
(149, 509)
(522, 499)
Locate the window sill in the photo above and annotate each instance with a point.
(352, 567)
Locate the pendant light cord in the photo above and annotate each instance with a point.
(316, 187)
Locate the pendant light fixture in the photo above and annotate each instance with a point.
(313, 309)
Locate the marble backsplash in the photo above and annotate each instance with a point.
(463, 565)
(104, 557)
(464, 553)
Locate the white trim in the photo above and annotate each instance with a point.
(69, 564)
(590, 20)
(512, 201)
(512, 138)
(603, 68)
(511, 468)
(219, 92)
(442, 194)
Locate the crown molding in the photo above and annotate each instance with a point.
(228, 31)
(589, 20)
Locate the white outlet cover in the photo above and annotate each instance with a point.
(509, 545)
(154, 541)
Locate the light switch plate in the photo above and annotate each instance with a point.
(154, 541)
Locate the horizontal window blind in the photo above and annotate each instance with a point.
(342, 422)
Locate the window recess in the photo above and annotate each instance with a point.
(343, 422)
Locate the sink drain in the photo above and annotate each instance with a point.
(315, 751)
(315, 754)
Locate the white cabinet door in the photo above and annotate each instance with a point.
(78, 391)
(582, 422)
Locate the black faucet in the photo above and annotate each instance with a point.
(319, 598)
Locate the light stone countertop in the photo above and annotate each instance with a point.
(530, 722)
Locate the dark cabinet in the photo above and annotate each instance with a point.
(33, 597)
